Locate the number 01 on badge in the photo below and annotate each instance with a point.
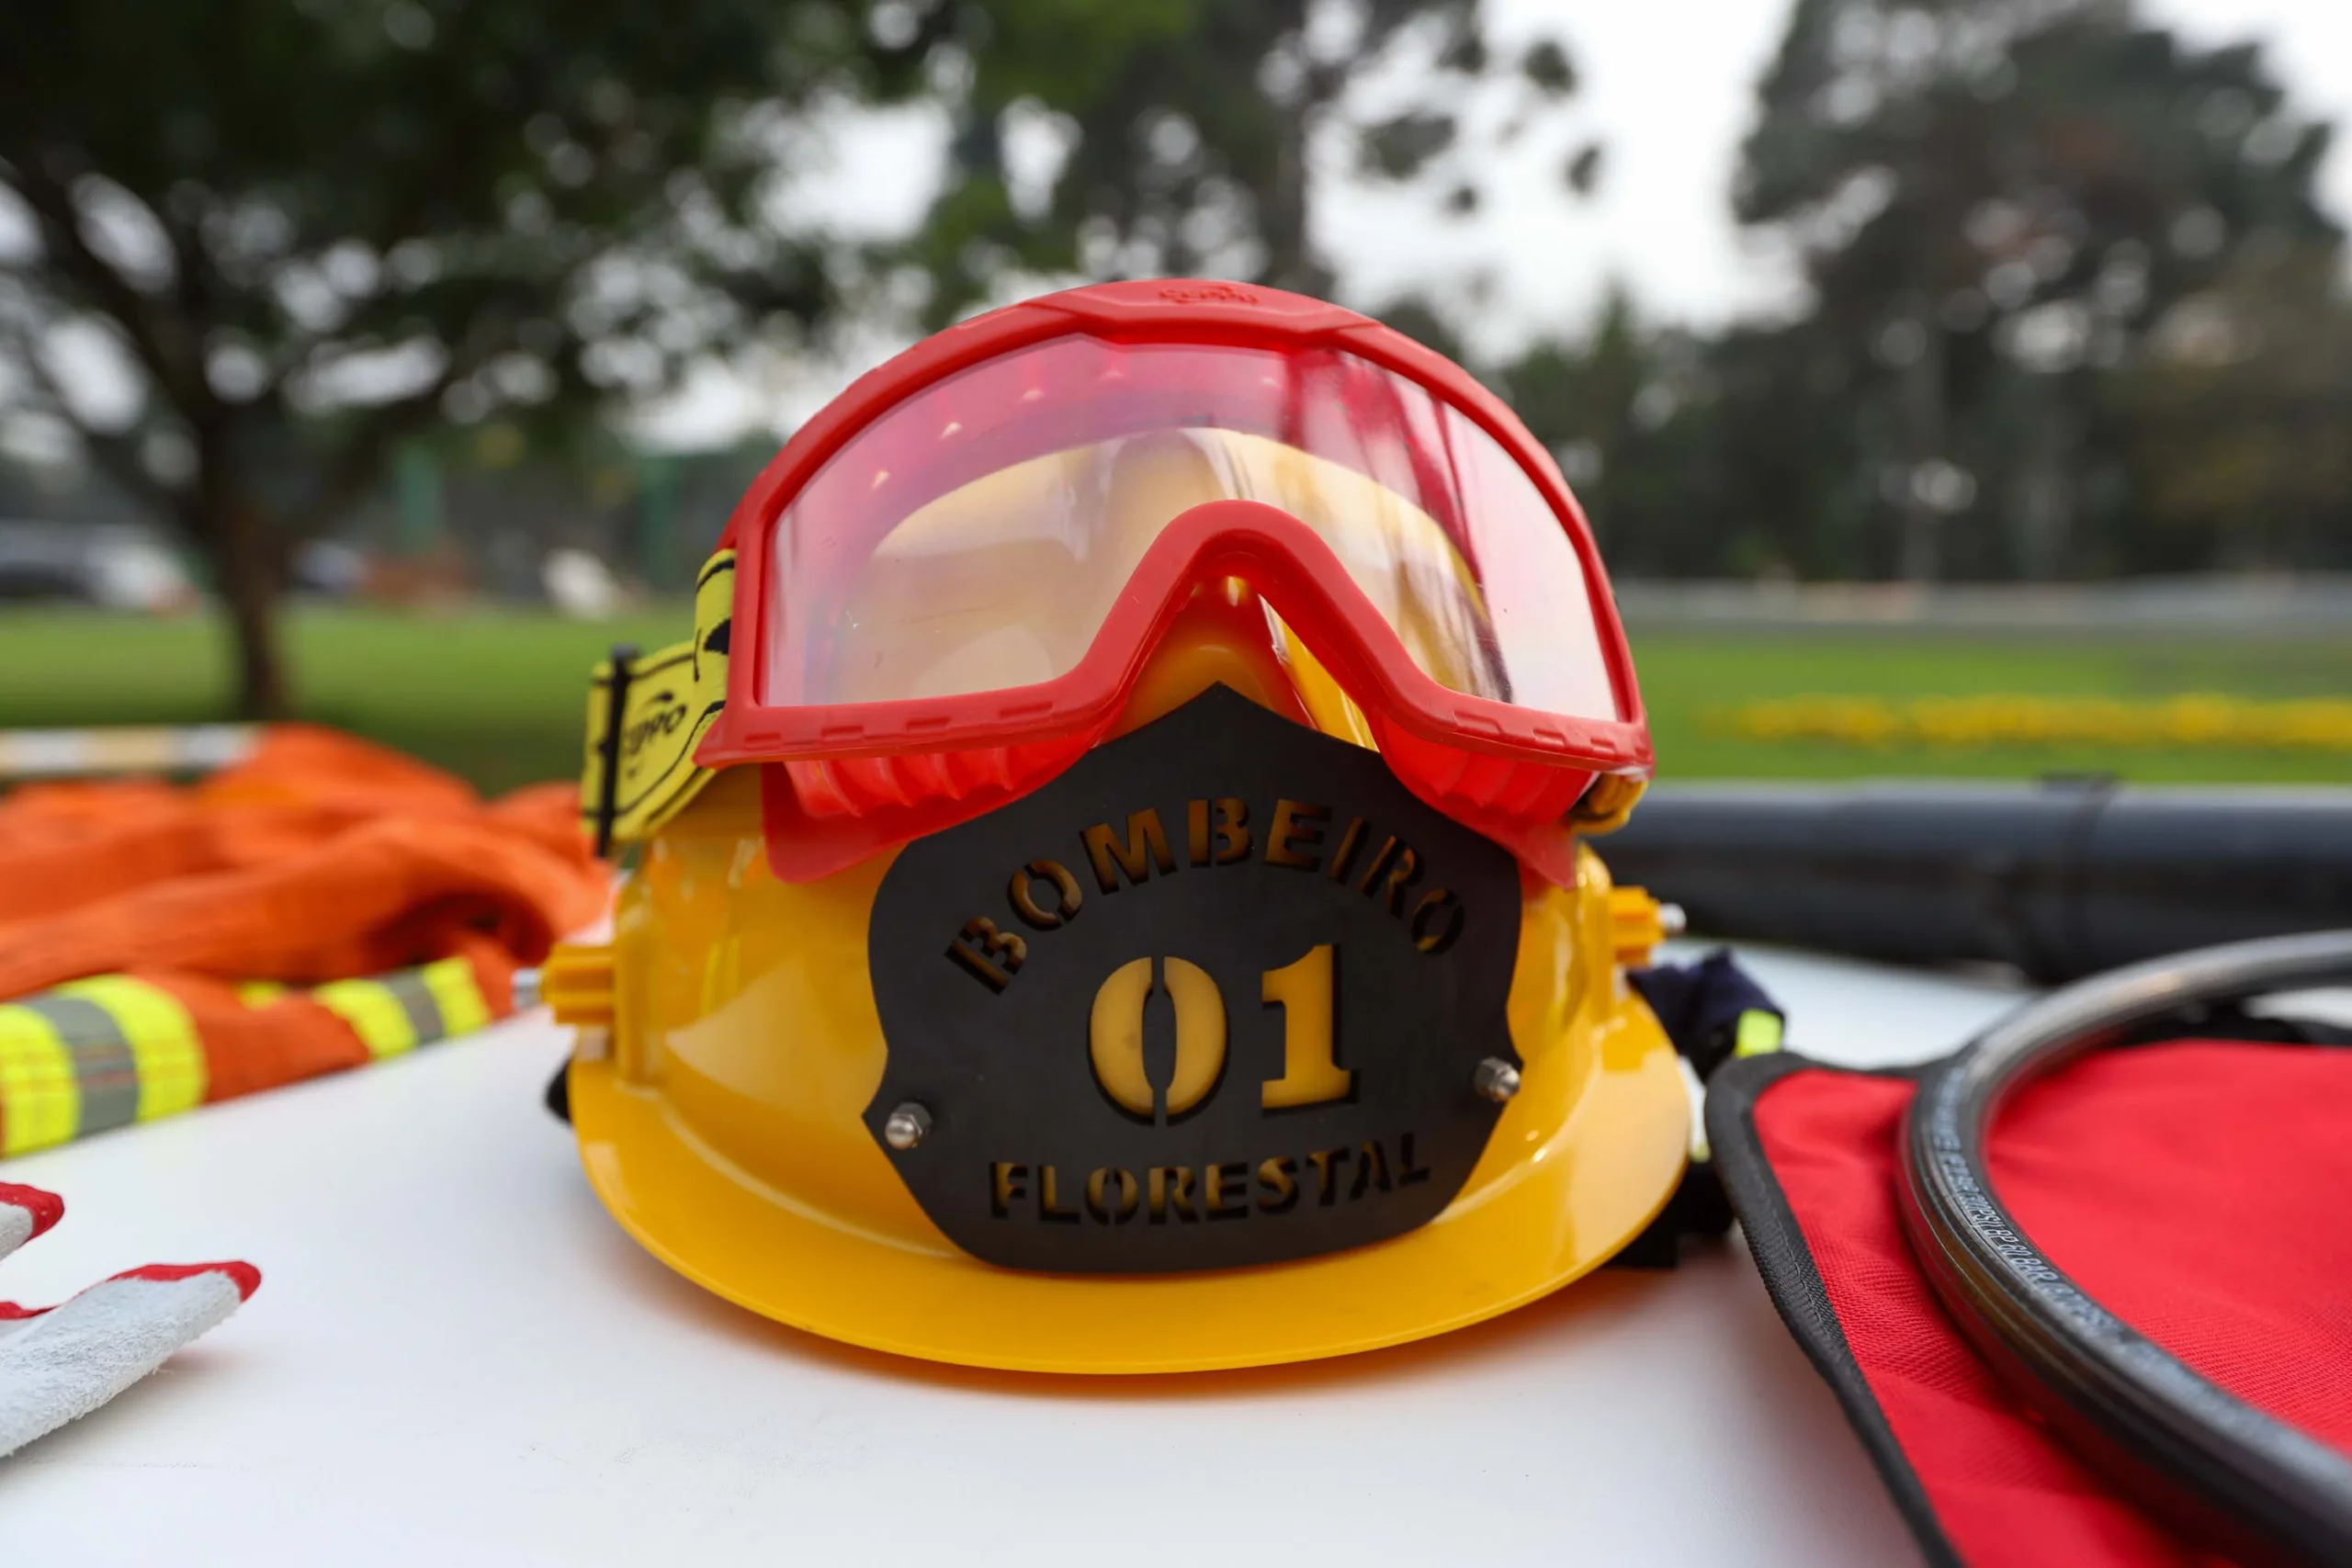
(1108, 891)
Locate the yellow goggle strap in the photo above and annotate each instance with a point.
(646, 713)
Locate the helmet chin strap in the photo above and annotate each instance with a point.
(646, 713)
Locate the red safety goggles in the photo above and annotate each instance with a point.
(950, 580)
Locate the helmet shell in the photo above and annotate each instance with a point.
(724, 1128)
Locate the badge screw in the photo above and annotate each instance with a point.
(908, 1124)
(1497, 1080)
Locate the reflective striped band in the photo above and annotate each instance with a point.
(165, 1054)
(103, 1053)
(374, 1011)
(39, 1104)
(1759, 1033)
(457, 994)
(94, 1055)
(397, 1012)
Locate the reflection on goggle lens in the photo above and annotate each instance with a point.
(975, 538)
(1001, 582)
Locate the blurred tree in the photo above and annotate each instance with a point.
(1998, 204)
(1133, 137)
(1611, 408)
(1733, 455)
(2236, 420)
(247, 250)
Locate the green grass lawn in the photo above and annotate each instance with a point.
(1692, 680)
(497, 695)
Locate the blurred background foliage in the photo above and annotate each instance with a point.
(1183, 130)
(369, 297)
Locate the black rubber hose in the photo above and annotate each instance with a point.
(2252, 1485)
(2062, 879)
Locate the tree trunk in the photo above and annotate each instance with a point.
(1284, 213)
(1923, 423)
(250, 581)
(1282, 216)
(2045, 492)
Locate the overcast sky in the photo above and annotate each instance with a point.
(1668, 85)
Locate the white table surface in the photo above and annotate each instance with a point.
(456, 1357)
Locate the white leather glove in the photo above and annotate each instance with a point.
(60, 1362)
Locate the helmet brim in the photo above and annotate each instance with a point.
(1600, 1176)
